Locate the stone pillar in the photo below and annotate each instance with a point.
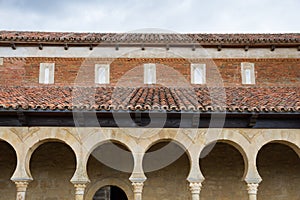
(252, 190)
(138, 190)
(195, 188)
(138, 177)
(79, 190)
(21, 189)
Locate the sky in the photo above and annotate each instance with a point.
(183, 16)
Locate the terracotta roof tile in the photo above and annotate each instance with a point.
(71, 37)
(269, 99)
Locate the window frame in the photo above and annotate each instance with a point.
(149, 73)
(106, 67)
(42, 73)
(202, 67)
(245, 67)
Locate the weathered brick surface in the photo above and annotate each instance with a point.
(170, 71)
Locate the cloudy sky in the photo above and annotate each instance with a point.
(209, 16)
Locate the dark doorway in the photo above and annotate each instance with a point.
(110, 193)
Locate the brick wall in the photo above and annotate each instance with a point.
(170, 71)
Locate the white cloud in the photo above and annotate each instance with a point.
(176, 15)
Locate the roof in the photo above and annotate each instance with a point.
(202, 99)
(152, 38)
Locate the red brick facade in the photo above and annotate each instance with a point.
(129, 71)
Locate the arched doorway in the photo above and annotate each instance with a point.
(223, 167)
(110, 192)
(279, 166)
(109, 167)
(8, 162)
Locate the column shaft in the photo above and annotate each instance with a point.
(79, 191)
(252, 190)
(138, 190)
(21, 189)
(195, 188)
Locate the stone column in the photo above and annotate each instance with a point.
(138, 177)
(138, 190)
(79, 190)
(195, 188)
(252, 190)
(21, 189)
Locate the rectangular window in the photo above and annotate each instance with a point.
(102, 73)
(47, 76)
(46, 73)
(149, 73)
(248, 75)
(198, 73)
(1, 61)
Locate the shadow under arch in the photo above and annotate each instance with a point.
(112, 181)
(113, 153)
(12, 149)
(208, 147)
(37, 144)
(290, 144)
(165, 162)
(169, 152)
(278, 163)
(224, 166)
(8, 164)
(52, 164)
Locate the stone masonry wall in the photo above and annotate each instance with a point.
(223, 170)
(53, 164)
(52, 167)
(168, 183)
(8, 161)
(279, 167)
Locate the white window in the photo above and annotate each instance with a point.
(149, 73)
(1, 61)
(248, 75)
(46, 73)
(102, 73)
(198, 73)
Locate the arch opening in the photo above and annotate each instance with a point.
(109, 165)
(279, 166)
(110, 192)
(113, 154)
(223, 167)
(8, 163)
(166, 162)
(52, 165)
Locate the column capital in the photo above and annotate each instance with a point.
(138, 178)
(252, 188)
(195, 187)
(79, 188)
(21, 185)
(138, 187)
